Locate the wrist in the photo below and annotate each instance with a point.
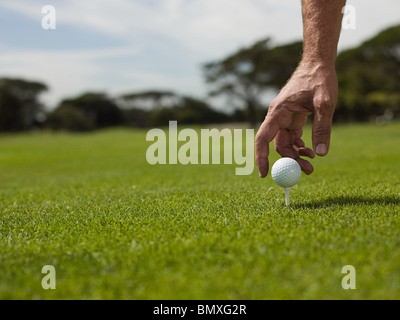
(317, 62)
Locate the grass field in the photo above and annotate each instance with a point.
(115, 227)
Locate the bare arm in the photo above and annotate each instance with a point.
(321, 29)
(311, 89)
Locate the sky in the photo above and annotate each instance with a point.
(125, 46)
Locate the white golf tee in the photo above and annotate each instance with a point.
(287, 194)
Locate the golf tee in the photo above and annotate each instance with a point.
(287, 194)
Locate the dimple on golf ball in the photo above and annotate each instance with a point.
(286, 172)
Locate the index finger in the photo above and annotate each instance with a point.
(267, 132)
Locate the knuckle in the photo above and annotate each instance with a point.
(259, 138)
(279, 149)
(322, 131)
(274, 106)
(270, 110)
(324, 104)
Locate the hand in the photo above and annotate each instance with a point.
(312, 88)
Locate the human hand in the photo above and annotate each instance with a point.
(312, 88)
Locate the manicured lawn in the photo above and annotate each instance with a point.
(115, 227)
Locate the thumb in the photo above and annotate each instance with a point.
(321, 132)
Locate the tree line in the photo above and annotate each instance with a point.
(368, 78)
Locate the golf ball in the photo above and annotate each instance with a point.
(286, 172)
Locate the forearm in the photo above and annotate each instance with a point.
(322, 21)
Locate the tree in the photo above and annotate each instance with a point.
(70, 118)
(19, 105)
(149, 100)
(86, 112)
(246, 74)
(369, 78)
(159, 107)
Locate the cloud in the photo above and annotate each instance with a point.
(66, 72)
(175, 37)
(158, 43)
(211, 27)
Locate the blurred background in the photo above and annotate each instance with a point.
(141, 63)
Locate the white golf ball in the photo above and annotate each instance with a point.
(286, 172)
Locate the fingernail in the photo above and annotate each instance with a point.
(321, 149)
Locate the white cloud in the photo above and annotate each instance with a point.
(66, 72)
(192, 32)
(209, 26)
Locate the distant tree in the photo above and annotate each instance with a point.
(189, 111)
(11, 113)
(19, 105)
(69, 118)
(246, 74)
(135, 117)
(149, 100)
(369, 78)
(159, 107)
(86, 112)
(194, 111)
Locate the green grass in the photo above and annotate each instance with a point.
(115, 227)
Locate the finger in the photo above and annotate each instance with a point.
(299, 145)
(265, 135)
(321, 131)
(284, 146)
(305, 166)
(305, 152)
